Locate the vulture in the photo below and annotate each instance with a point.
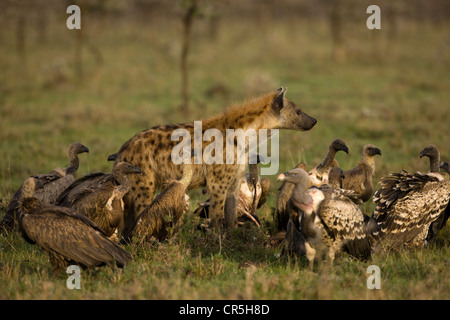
(52, 185)
(284, 194)
(67, 236)
(408, 203)
(441, 221)
(99, 197)
(327, 217)
(359, 178)
(319, 174)
(162, 217)
(253, 193)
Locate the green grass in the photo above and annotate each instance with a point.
(399, 103)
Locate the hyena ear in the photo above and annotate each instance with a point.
(278, 101)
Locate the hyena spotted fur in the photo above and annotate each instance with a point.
(150, 150)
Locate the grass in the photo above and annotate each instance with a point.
(398, 102)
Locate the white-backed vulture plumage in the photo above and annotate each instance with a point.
(328, 217)
(52, 185)
(68, 237)
(163, 216)
(407, 204)
(99, 197)
(359, 178)
(319, 174)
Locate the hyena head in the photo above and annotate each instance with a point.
(291, 116)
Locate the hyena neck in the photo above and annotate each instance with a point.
(254, 114)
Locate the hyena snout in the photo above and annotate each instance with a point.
(307, 122)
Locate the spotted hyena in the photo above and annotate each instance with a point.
(151, 150)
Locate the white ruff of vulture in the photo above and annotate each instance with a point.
(359, 178)
(68, 237)
(99, 197)
(328, 217)
(162, 218)
(319, 174)
(284, 195)
(50, 186)
(407, 204)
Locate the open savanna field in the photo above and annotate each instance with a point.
(388, 87)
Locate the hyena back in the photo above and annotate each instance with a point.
(151, 150)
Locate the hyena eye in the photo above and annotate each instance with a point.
(299, 112)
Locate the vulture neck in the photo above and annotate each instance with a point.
(434, 163)
(73, 165)
(124, 182)
(370, 161)
(326, 163)
(299, 194)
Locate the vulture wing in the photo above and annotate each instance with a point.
(73, 236)
(407, 203)
(344, 221)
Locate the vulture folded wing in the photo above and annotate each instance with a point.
(73, 236)
(407, 203)
(344, 221)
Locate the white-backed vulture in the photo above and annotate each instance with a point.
(319, 174)
(99, 197)
(52, 184)
(407, 204)
(328, 217)
(68, 237)
(359, 178)
(162, 218)
(284, 194)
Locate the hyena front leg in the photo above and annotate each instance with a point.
(231, 204)
(140, 195)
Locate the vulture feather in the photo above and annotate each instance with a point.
(359, 178)
(407, 204)
(319, 174)
(161, 218)
(99, 197)
(51, 185)
(68, 237)
(327, 217)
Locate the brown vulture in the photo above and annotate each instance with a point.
(67, 236)
(327, 217)
(99, 197)
(284, 194)
(319, 174)
(408, 203)
(359, 178)
(52, 184)
(163, 216)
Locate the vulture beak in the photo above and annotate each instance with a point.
(282, 177)
(377, 151)
(423, 153)
(345, 149)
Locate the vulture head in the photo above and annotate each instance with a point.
(77, 148)
(125, 167)
(370, 150)
(432, 152)
(335, 177)
(339, 145)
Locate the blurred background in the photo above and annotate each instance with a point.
(140, 63)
